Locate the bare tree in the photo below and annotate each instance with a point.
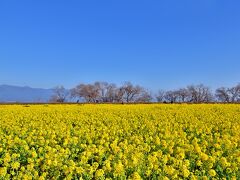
(171, 96)
(160, 96)
(199, 93)
(60, 94)
(223, 94)
(235, 93)
(182, 95)
(131, 92)
(111, 92)
(97, 92)
(144, 96)
(107, 91)
(119, 94)
(89, 92)
(101, 89)
(237, 89)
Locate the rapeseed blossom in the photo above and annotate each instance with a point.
(120, 141)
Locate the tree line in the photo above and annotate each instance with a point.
(104, 92)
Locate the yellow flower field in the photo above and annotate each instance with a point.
(120, 142)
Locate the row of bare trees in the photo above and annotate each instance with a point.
(228, 95)
(102, 92)
(200, 94)
(195, 94)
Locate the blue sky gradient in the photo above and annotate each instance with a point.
(160, 44)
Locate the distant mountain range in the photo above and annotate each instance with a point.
(10, 93)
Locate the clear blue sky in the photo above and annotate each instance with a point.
(159, 44)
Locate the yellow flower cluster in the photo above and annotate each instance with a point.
(120, 141)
